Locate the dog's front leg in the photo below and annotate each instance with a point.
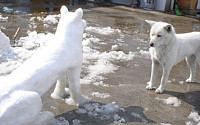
(154, 72)
(165, 75)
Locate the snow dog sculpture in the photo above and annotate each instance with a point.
(21, 91)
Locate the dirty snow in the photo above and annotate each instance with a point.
(171, 101)
(9, 10)
(100, 95)
(108, 111)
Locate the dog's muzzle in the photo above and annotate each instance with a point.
(151, 44)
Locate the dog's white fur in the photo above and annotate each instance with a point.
(20, 92)
(168, 49)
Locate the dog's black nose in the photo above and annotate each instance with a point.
(151, 44)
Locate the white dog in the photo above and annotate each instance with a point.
(168, 48)
(20, 92)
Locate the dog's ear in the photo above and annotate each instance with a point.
(168, 28)
(150, 22)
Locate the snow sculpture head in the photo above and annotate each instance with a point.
(4, 42)
(71, 23)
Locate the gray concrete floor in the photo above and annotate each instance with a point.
(129, 81)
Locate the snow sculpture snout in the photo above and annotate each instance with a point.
(20, 91)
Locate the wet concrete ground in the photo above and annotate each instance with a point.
(127, 84)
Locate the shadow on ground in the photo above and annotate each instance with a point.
(191, 98)
(129, 114)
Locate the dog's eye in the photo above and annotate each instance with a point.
(159, 35)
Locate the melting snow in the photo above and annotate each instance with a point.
(103, 30)
(100, 95)
(194, 116)
(108, 111)
(171, 101)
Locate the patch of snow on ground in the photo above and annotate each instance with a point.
(165, 124)
(103, 30)
(100, 95)
(194, 116)
(99, 62)
(35, 40)
(171, 101)
(7, 10)
(104, 112)
(3, 18)
(51, 19)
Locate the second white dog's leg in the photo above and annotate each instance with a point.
(76, 97)
(192, 66)
(154, 72)
(59, 91)
(165, 75)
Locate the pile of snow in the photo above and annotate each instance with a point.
(103, 30)
(102, 62)
(108, 111)
(171, 101)
(100, 95)
(3, 18)
(35, 40)
(9, 10)
(50, 19)
(194, 116)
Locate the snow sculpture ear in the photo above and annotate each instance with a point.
(63, 10)
(150, 22)
(78, 14)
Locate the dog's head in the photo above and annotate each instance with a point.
(71, 22)
(161, 33)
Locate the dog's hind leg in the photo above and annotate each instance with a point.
(191, 62)
(154, 72)
(76, 97)
(59, 91)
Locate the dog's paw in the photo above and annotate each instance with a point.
(189, 80)
(149, 87)
(159, 90)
